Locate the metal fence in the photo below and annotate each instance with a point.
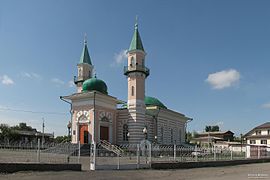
(142, 155)
(126, 156)
(37, 153)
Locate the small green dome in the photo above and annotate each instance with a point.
(94, 84)
(151, 101)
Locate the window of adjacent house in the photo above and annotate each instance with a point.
(125, 132)
(264, 141)
(132, 90)
(258, 132)
(268, 131)
(252, 142)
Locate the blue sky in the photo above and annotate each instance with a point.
(208, 59)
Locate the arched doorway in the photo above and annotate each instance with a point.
(84, 134)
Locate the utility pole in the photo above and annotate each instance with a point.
(43, 126)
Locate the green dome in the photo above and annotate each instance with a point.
(151, 101)
(94, 84)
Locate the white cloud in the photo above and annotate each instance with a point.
(223, 79)
(71, 84)
(31, 75)
(120, 57)
(6, 80)
(57, 81)
(266, 106)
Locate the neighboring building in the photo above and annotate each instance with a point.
(212, 137)
(22, 133)
(259, 135)
(234, 146)
(32, 136)
(96, 115)
(219, 135)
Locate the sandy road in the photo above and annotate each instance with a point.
(251, 171)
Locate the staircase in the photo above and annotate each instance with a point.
(110, 147)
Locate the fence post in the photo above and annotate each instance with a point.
(118, 161)
(93, 155)
(231, 153)
(150, 155)
(215, 154)
(38, 151)
(138, 156)
(79, 151)
(196, 153)
(174, 152)
(248, 151)
(259, 152)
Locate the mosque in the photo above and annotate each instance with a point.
(97, 115)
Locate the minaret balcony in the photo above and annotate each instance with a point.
(137, 68)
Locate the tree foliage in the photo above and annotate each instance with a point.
(211, 128)
(60, 139)
(23, 127)
(8, 134)
(191, 135)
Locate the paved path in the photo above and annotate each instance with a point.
(251, 171)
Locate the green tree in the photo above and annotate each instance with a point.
(190, 136)
(22, 127)
(208, 128)
(60, 139)
(211, 128)
(8, 134)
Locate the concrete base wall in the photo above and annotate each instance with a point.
(15, 167)
(187, 165)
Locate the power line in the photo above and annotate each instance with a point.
(33, 112)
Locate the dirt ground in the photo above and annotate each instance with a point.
(250, 171)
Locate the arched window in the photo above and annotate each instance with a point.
(82, 118)
(132, 61)
(171, 136)
(146, 132)
(125, 132)
(132, 90)
(143, 63)
(105, 119)
(180, 136)
(161, 135)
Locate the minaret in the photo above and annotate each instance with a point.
(85, 68)
(136, 73)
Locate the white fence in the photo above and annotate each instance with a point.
(142, 155)
(49, 153)
(127, 156)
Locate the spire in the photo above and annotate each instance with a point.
(136, 42)
(85, 58)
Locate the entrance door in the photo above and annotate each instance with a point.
(85, 137)
(84, 134)
(104, 133)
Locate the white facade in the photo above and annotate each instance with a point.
(95, 115)
(260, 135)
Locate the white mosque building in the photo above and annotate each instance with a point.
(96, 114)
